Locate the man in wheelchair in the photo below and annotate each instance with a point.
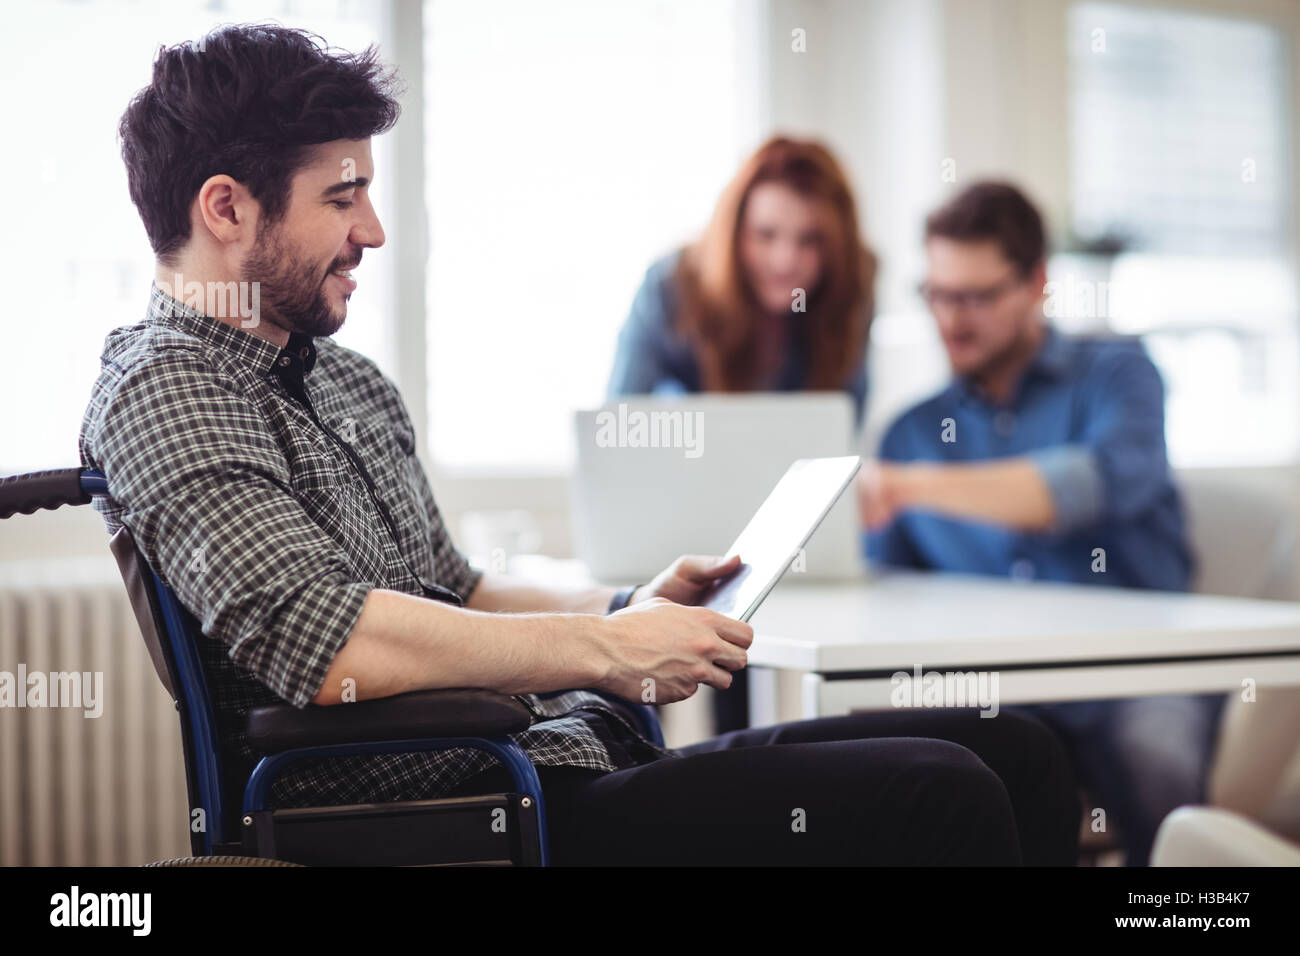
(269, 476)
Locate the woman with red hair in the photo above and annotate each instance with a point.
(776, 295)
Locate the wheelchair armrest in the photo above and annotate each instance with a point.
(419, 714)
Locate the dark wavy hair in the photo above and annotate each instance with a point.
(993, 209)
(248, 101)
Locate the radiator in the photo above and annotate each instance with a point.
(78, 790)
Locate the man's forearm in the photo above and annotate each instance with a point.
(1010, 492)
(403, 643)
(500, 593)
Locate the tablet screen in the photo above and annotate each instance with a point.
(781, 526)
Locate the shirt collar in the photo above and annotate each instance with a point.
(1053, 356)
(295, 360)
(1050, 361)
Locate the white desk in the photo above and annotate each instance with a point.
(1044, 641)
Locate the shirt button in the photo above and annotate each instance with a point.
(1004, 423)
(284, 360)
(1022, 569)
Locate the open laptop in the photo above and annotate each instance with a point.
(658, 478)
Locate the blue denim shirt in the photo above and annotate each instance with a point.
(652, 359)
(1090, 414)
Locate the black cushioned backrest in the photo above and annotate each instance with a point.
(144, 601)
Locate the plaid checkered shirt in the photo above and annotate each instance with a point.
(266, 532)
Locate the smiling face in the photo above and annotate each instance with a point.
(780, 245)
(303, 261)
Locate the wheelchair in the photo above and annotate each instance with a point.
(491, 829)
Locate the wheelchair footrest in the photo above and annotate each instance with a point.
(499, 829)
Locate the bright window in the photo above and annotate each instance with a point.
(567, 147)
(1178, 146)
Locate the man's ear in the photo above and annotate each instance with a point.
(1038, 280)
(227, 210)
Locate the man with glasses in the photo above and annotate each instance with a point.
(1044, 459)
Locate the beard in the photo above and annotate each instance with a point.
(1014, 353)
(292, 289)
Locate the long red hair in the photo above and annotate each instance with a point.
(718, 306)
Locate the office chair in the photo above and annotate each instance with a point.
(502, 828)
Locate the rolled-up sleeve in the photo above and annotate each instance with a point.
(1075, 483)
(205, 491)
(1117, 468)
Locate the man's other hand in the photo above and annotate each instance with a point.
(687, 579)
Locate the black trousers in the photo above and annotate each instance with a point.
(922, 787)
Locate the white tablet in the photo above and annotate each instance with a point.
(779, 529)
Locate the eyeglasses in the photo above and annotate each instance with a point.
(975, 300)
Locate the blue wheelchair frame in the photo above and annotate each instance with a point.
(194, 700)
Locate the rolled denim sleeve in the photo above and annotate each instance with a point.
(206, 492)
(1117, 468)
(1075, 483)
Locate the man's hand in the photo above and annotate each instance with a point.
(687, 579)
(1008, 492)
(660, 652)
(879, 487)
